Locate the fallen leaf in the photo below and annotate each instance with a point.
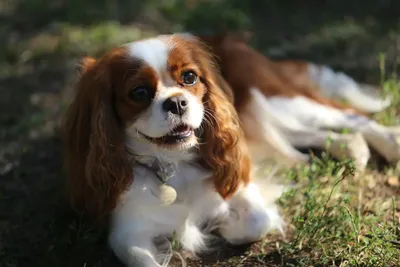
(393, 181)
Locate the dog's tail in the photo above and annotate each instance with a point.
(338, 85)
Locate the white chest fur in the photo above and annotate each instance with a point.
(140, 217)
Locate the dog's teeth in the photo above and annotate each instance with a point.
(181, 131)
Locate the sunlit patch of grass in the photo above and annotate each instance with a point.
(391, 89)
(96, 40)
(339, 220)
(391, 115)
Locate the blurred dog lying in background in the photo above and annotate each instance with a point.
(284, 105)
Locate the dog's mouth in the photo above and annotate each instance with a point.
(179, 134)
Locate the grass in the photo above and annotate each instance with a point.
(390, 85)
(338, 220)
(341, 217)
(336, 217)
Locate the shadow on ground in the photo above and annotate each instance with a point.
(41, 42)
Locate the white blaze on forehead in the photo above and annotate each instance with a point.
(153, 51)
(153, 122)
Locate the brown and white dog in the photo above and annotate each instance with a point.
(157, 114)
(154, 115)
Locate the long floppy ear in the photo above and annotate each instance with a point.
(223, 146)
(97, 167)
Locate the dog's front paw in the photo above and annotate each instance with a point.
(245, 225)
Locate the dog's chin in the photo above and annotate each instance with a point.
(182, 137)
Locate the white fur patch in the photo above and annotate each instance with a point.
(305, 112)
(153, 51)
(251, 215)
(140, 217)
(262, 125)
(339, 85)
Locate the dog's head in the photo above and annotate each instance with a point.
(164, 92)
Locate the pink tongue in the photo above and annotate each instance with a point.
(180, 129)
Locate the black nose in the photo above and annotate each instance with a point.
(176, 105)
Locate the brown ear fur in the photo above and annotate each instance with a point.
(97, 167)
(85, 64)
(223, 147)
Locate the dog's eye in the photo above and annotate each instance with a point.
(189, 78)
(140, 94)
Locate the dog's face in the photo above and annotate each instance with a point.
(159, 93)
(159, 85)
(164, 92)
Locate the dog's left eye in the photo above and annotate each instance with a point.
(140, 94)
(189, 77)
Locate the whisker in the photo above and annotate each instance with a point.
(208, 116)
(209, 112)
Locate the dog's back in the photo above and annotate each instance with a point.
(258, 82)
(243, 68)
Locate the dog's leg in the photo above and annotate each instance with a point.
(140, 219)
(251, 217)
(264, 139)
(134, 249)
(291, 129)
(245, 217)
(338, 85)
(385, 140)
(267, 142)
(338, 145)
(133, 237)
(205, 207)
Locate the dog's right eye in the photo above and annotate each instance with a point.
(140, 94)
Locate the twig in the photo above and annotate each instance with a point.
(394, 242)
